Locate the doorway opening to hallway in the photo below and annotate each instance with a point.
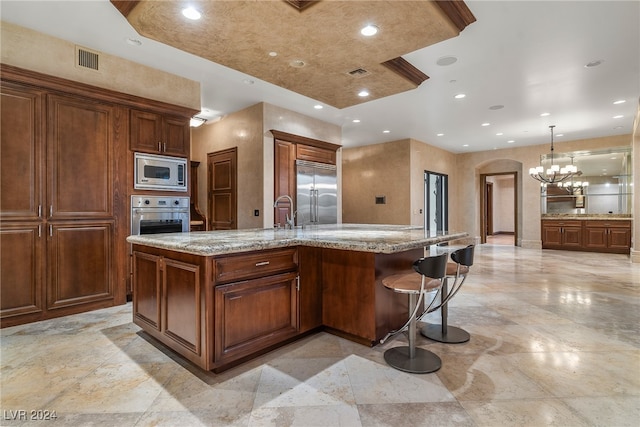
(498, 215)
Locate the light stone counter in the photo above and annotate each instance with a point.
(606, 217)
(384, 239)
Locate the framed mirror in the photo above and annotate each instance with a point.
(604, 187)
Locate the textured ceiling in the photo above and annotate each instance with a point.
(317, 47)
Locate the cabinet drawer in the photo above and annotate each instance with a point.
(607, 223)
(561, 223)
(254, 264)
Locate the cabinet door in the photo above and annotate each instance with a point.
(595, 237)
(145, 131)
(146, 289)
(551, 236)
(21, 289)
(80, 263)
(176, 136)
(254, 314)
(572, 237)
(80, 158)
(181, 303)
(285, 178)
(315, 154)
(619, 239)
(21, 147)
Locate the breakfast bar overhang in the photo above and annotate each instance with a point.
(219, 298)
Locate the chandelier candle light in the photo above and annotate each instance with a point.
(555, 174)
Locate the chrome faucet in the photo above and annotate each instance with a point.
(290, 219)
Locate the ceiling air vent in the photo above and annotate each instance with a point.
(86, 58)
(359, 72)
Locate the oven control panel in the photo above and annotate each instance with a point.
(159, 202)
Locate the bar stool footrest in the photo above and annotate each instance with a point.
(452, 335)
(424, 361)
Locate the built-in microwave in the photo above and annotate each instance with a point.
(154, 172)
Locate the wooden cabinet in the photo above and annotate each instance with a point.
(57, 204)
(157, 133)
(315, 154)
(167, 300)
(310, 288)
(607, 236)
(587, 235)
(561, 234)
(256, 302)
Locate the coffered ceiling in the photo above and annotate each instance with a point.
(523, 65)
(312, 48)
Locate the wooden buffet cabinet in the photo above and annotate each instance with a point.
(67, 174)
(592, 235)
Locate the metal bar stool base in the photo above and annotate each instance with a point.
(453, 335)
(424, 361)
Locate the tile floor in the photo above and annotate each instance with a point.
(555, 341)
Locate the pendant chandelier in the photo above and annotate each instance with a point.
(555, 174)
(574, 187)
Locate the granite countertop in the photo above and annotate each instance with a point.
(607, 217)
(355, 237)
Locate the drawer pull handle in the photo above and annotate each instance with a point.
(258, 264)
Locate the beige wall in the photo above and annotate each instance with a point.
(382, 168)
(635, 243)
(35, 51)
(249, 131)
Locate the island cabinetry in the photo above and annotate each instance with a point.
(255, 303)
(158, 133)
(310, 292)
(355, 304)
(561, 234)
(607, 236)
(168, 299)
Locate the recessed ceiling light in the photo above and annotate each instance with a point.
(496, 107)
(248, 81)
(386, 131)
(363, 93)
(499, 134)
(440, 134)
(273, 53)
(465, 145)
(356, 120)
(594, 63)
(620, 101)
(191, 13)
(559, 134)
(485, 124)
(369, 30)
(297, 63)
(618, 116)
(318, 107)
(545, 114)
(446, 60)
(511, 141)
(460, 96)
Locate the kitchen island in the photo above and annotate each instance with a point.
(219, 298)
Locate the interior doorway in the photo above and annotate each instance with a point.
(222, 199)
(499, 208)
(436, 201)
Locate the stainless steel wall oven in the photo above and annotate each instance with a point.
(159, 214)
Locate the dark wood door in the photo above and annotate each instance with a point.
(80, 158)
(21, 259)
(21, 145)
(489, 216)
(222, 189)
(285, 178)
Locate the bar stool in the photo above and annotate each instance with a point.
(458, 271)
(431, 273)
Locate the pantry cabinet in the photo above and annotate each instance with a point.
(158, 133)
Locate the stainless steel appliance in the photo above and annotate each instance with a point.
(159, 214)
(317, 193)
(165, 173)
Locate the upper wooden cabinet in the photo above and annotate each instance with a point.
(315, 154)
(158, 133)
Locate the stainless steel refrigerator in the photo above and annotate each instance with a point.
(317, 194)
